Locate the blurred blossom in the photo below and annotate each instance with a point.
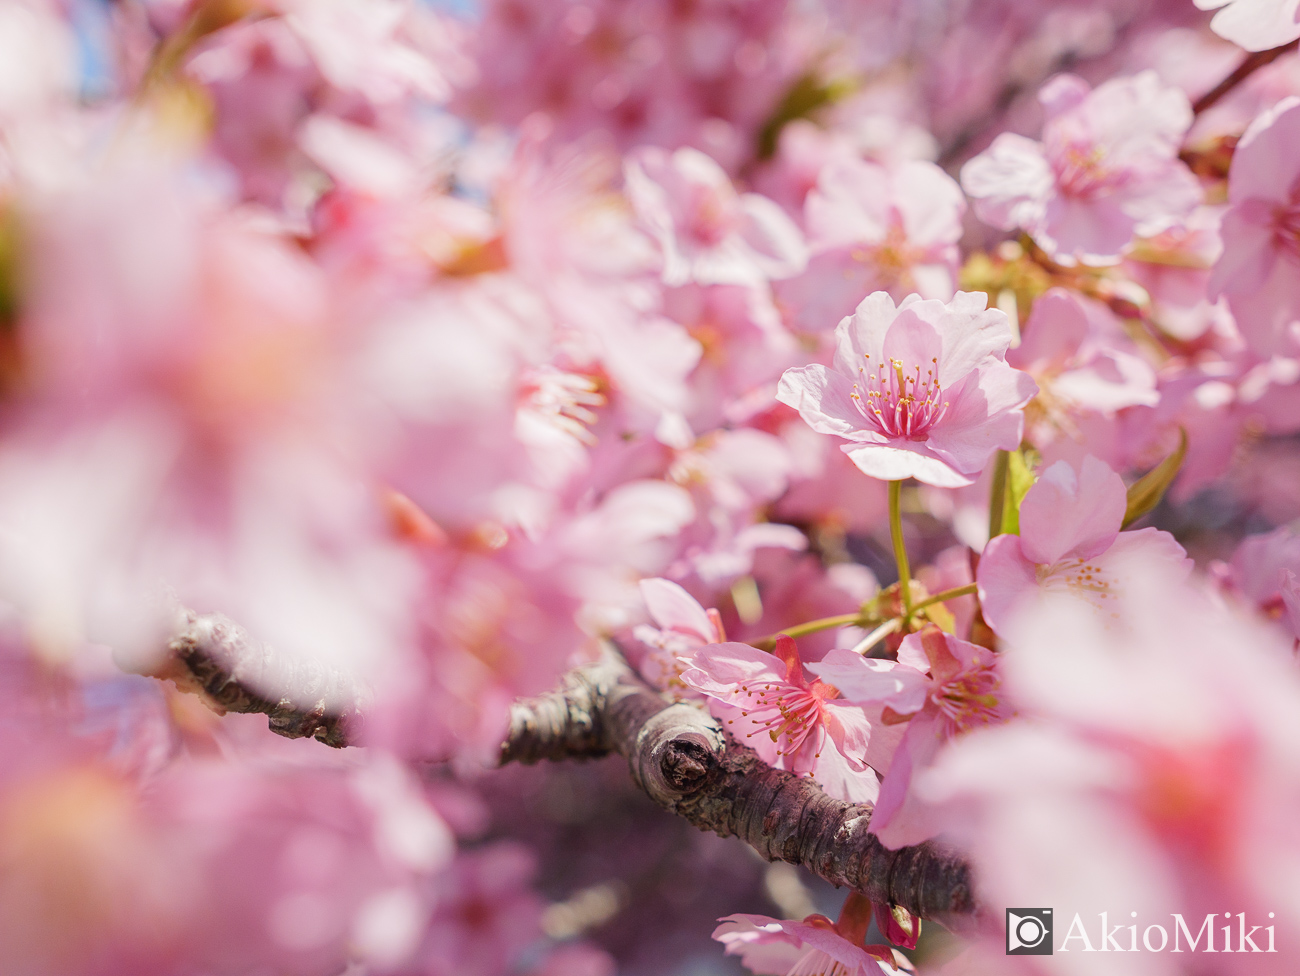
(873, 228)
(707, 232)
(1069, 542)
(1261, 232)
(1145, 777)
(1107, 169)
(1254, 24)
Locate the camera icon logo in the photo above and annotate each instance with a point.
(1029, 931)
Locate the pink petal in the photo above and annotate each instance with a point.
(983, 416)
(838, 777)
(1008, 182)
(1068, 515)
(720, 669)
(870, 681)
(672, 608)
(1056, 328)
(823, 399)
(906, 460)
(849, 730)
(776, 245)
(863, 333)
(900, 820)
(930, 202)
(849, 204)
(1005, 578)
(1265, 163)
(1256, 25)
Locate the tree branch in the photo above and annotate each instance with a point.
(677, 753)
(680, 757)
(213, 657)
(1248, 66)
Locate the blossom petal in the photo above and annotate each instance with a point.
(824, 400)
(1005, 578)
(1065, 514)
(906, 460)
(674, 609)
(863, 680)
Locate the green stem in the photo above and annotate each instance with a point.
(997, 497)
(811, 627)
(946, 595)
(900, 550)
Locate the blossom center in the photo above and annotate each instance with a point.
(968, 699)
(711, 216)
(797, 711)
(891, 258)
(898, 400)
(1081, 578)
(1080, 171)
(1286, 228)
(567, 401)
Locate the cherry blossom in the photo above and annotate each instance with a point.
(1107, 169)
(871, 228)
(1069, 542)
(940, 426)
(1261, 232)
(1256, 25)
(814, 947)
(681, 626)
(765, 701)
(941, 687)
(708, 233)
(1149, 766)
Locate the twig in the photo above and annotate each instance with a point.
(1249, 65)
(213, 657)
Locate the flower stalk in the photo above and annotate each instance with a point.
(900, 548)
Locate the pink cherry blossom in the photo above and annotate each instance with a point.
(1106, 170)
(766, 702)
(1261, 232)
(920, 390)
(709, 233)
(1081, 358)
(871, 228)
(1174, 269)
(785, 948)
(1154, 765)
(1256, 25)
(1263, 571)
(1069, 541)
(814, 947)
(681, 626)
(941, 687)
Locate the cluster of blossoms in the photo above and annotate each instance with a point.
(820, 354)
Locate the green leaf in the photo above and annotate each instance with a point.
(1145, 493)
(998, 496)
(1012, 478)
(1020, 478)
(808, 95)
